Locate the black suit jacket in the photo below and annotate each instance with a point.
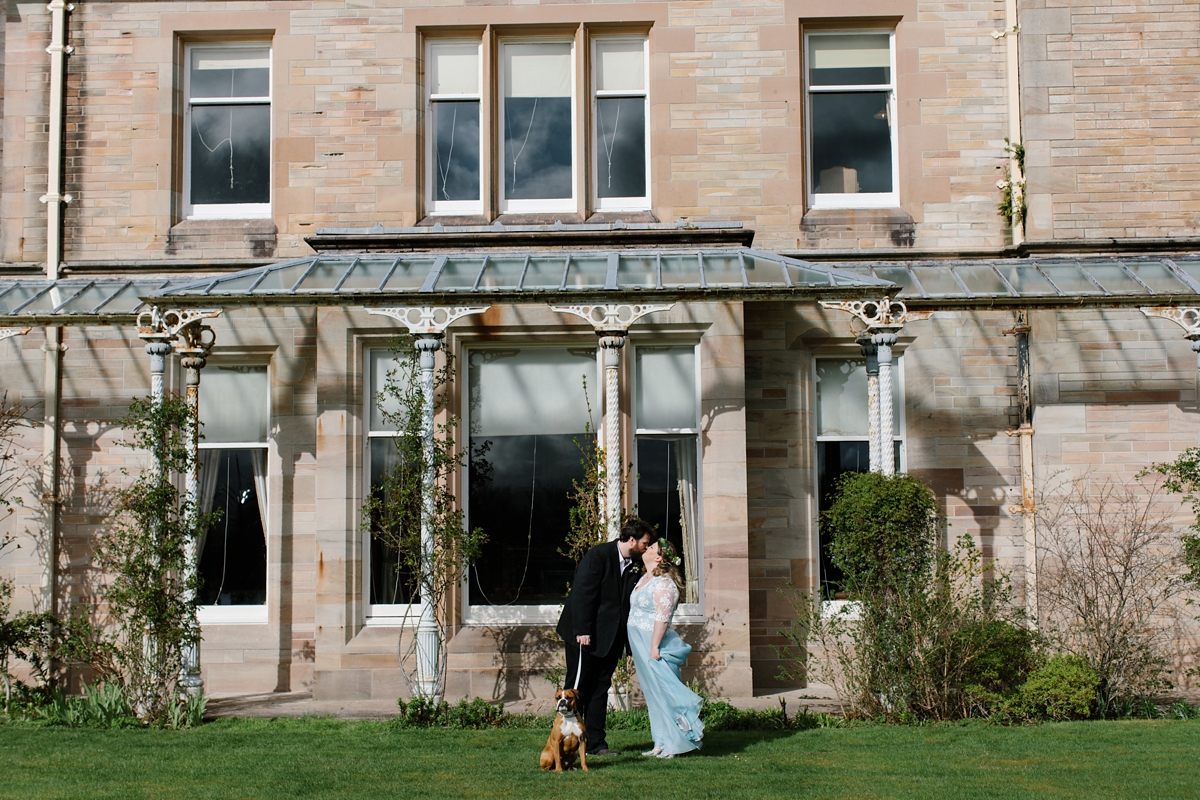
(598, 605)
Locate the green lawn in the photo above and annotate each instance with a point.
(241, 758)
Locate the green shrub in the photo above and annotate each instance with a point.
(421, 712)
(100, 706)
(1064, 688)
(635, 719)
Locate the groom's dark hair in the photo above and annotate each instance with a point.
(636, 528)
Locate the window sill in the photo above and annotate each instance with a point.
(512, 615)
(232, 615)
(256, 235)
(896, 224)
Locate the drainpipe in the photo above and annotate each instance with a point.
(54, 347)
(1011, 32)
(1028, 508)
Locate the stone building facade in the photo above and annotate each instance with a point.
(737, 127)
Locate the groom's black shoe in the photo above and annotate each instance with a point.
(603, 750)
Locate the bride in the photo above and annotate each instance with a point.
(658, 653)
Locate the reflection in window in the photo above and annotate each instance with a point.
(454, 102)
(233, 481)
(537, 121)
(229, 121)
(668, 452)
(528, 420)
(851, 112)
(843, 441)
(620, 109)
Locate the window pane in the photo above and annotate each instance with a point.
(520, 490)
(454, 68)
(380, 363)
(620, 65)
(666, 387)
(666, 497)
(233, 404)
(233, 552)
(455, 149)
(390, 584)
(231, 154)
(537, 121)
(842, 397)
(621, 124)
(231, 72)
(852, 142)
(840, 60)
(534, 390)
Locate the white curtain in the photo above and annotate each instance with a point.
(685, 457)
(258, 457)
(210, 466)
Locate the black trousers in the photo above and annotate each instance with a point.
(594, 684)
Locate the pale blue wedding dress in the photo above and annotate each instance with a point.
(674, 708)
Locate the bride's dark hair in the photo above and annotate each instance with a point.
(669, 565)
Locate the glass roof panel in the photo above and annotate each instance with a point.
(1155, 275)
(1027, 280)
(234, 284)
(898, 276)
(981, 279)
(503, 273)
(680, 272)
(544, 273)
(19, 296)
(325, 275)
(1070, 279)
(282, 279)
(1190, 267)
(459, 273)
(50, 300)
(763, 271)
(938, 282)
(410, 274)
(588, 272)
(1115, 279)
(89, 298)
(127, 300)
(722, 271)
(366, 276)
(639, 271)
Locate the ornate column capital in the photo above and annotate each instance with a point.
(884, 314)
(156, 324)
(427, 321)
(8, 333)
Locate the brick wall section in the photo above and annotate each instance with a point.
(1111, 110)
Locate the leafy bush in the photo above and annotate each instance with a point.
(929, 637)
(1064, 688)
(422, 712)
(100, 706)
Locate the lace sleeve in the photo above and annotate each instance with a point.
(666, 595)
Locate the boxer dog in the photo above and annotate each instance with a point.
(567, 737)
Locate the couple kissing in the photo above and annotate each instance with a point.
(622, 599)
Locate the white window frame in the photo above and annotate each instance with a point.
(859, 199)
(384, 614)
(544, 206)
(830, 608)
(686, 613)
(433, 206)
(224, 210)
(243, 614)
(483, 615)
(618, 203)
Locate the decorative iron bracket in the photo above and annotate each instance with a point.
(427, 320)
(875, 314)
(163, 325)
(1186, 317)
(613, 317)
(8, 333)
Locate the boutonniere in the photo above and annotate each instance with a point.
(637, 568)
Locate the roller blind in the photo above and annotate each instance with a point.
(854, 51)
(530, 391)
(454, 68)
(537, 70)
(620, 65)
(842, 398)
(666, 387)
(379, 364)
(233, 404)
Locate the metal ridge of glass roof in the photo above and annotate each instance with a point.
(1101, 281)
(559, 275)
(104, 300)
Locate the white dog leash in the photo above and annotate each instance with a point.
(578, 669)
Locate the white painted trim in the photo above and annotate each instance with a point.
(433, 206)
(232, 615)
(618, 203)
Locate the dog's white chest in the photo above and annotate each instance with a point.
(570, 727)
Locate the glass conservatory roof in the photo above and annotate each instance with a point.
(1097, 281)
(61, 302)
(570, 276)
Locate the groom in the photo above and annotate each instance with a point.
(593, 620)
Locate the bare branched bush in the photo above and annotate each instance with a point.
(1108, 581)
